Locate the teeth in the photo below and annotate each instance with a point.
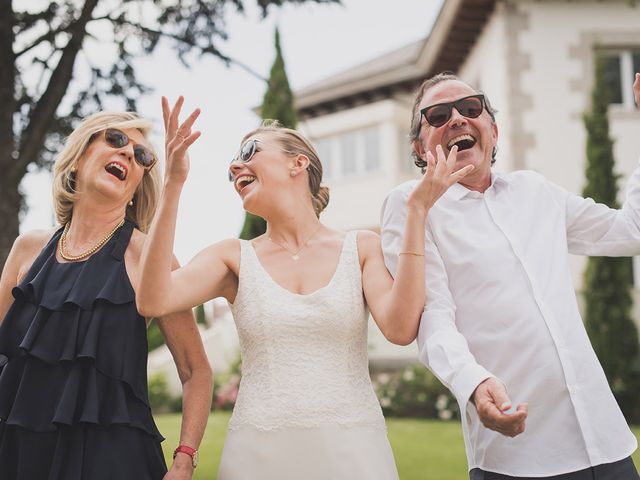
(122, 171)
(244, 180)
(459, 138)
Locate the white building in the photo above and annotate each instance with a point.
(535, 61)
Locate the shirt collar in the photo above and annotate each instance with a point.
(498, 180)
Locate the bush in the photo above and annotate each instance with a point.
(160, 398)
(414, 392)
(226, 386)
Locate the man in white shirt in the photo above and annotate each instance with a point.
(501, 320)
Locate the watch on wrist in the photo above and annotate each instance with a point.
(192, 452)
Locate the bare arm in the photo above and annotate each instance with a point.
(207, 275)
(24, 251)
(396, 305)
(9, 278)
(184, 342)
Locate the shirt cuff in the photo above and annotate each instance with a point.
(466, 381)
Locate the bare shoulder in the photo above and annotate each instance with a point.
(29, 244)
(34, 239)
(227, 250)
(367, 239)
(136, 243)
(368, 244)
(26, 248)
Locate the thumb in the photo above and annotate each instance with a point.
(500, 397)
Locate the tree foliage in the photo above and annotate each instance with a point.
(608, 280)
(277, 104)
(60, 61)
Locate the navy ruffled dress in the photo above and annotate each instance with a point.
(73, 390)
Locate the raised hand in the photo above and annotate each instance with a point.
(178, 139)
(636, 90)
(440, 175)
(492, 403)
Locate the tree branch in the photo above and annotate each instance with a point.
(192, 44)
(49, 36)
(43, 113)
(8, 75)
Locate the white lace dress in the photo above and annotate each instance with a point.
(306, 408)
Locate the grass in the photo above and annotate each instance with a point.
(424, 449)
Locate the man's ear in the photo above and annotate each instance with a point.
(419, 149)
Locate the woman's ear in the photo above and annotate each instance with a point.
(300, 162)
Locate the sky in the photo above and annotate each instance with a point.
(317, 41)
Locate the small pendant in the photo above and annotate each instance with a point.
(295, 257)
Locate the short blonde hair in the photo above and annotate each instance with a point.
(294, 143)
(146, 196)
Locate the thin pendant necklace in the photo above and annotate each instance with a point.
(295, 255)
(62, 245)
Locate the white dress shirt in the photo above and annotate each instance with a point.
(500, 302)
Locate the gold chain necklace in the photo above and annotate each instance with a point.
(62, 247)
(294, 255)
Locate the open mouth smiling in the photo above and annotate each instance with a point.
(464, 142)
(243, 180)
(117, 170)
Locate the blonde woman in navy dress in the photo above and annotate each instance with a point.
(300, 296)
(73, 389)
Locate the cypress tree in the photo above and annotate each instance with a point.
(277, 104)
(608, 280)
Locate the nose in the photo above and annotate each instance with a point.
(127, 152)
(234, 169)
(457, 119)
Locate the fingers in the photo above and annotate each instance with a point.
(509, 424)
(451, 159)
(175, 113)
(492, 404)
(460, 174)
(431, 162)
(636, 90)
(165, 112)
(498, 394)
(186, 143)
(185, 129)
(178, 136)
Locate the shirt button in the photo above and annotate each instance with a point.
(573, 390)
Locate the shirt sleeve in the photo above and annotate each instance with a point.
(598, 230)
(442, 348)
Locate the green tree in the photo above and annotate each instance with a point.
(608, 280)
(200, 315)
(278, 99)
(277, 104)
(49, 78)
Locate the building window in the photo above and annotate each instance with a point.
(348, 153)
(371, 149)
(323, 147)
(620, 67)
(407, 164)
(351, 153)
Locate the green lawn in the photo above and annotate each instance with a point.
(424, 449)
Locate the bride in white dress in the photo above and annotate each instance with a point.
(300, 296)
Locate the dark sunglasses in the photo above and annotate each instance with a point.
(117, 139)
(440, 113)
(248, 150)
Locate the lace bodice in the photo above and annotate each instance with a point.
(304, 357)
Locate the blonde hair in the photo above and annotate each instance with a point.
(294, 143)
(146, 196)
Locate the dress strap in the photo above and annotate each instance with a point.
(123, 235)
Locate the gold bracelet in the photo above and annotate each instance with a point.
(412, 253)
